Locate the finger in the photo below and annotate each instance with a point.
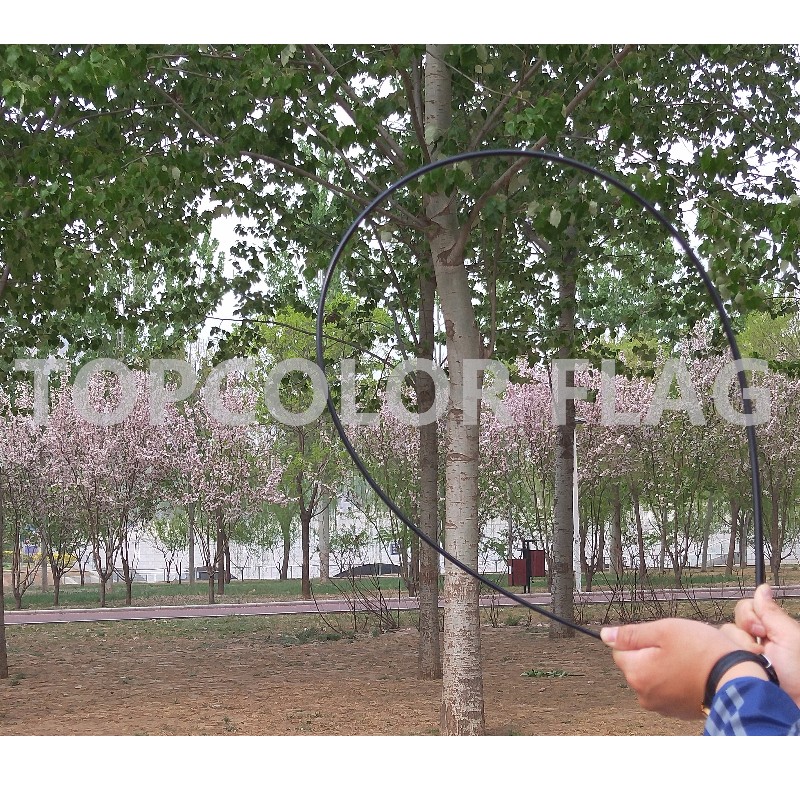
(633, 637)
(741, 638)
(633, 664)
(775, 620)
(764, 604)
(609, 635)
(748, 620)
(763, 595)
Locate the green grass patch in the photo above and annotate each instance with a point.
(253, 591)
(153, 594)
(549, 673)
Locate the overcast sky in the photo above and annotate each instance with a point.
(502, 21)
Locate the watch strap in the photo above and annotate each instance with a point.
(730, 660)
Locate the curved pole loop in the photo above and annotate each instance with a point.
(674, 234)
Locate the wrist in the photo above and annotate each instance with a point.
(747, 669)
(737, 664)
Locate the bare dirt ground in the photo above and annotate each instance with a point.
(252, 676)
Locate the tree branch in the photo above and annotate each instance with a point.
(386, 144)
(491, 122)
(339, 152)
(411, 84)
(503, 181)
(297, 329)
(181, 109)
(110, 113)
(396, 282)
(584, 93)
(4, 278)
(410, 220)
(56, 103)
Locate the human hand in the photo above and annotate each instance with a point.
(667, 662)
(762, 617)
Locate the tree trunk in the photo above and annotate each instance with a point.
(616, 531)
(598, 562)
(324, 537)
(462, 691)
(662, 554)
(429, 660)
(305, 536)
(219, 558)
(413, 566)
(462, 684)
(190, 543)
(128, 579)
(707, 531)
(45, 567)
(3, 645)
(563, 521)
(744, 526)
(227, 559)
(776, 540)
(510, 530)
(286, 530)
(56, 589)
(732, 541)
(102, 542)
(583, 535)
(637, 513)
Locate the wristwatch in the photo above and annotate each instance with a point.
(730, 660)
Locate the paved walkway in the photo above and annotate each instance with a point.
(39, 617)
(36, 617)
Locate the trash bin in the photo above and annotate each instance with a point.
(519, 573)
(537, 562)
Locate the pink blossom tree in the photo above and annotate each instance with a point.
(115, 468)
(390, 448)
(20, 447)
(779, 456)
(519, 460)
(224, 471)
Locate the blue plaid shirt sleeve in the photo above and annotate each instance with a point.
(752, 707)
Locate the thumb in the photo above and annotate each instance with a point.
(772, 616)
(631, 637)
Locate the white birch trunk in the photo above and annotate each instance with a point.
(462, 681)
